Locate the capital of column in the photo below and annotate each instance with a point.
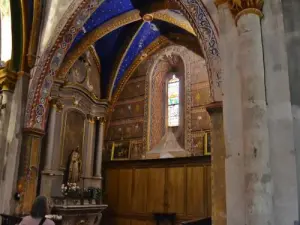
(91, 118)
(214, 107)
(8, 78)
(243, 7)
(220, 2)
(102, 120)
(57, 104)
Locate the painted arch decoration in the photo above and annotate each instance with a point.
(82, 23)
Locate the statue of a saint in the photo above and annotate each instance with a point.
(74, 166)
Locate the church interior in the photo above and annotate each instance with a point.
(128, 112)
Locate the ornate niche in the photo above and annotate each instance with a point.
(73, 132)
(80, 108)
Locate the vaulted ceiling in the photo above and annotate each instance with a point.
(118, 49)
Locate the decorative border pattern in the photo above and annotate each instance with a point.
(197, 15)
(40, 86)
(50, 61)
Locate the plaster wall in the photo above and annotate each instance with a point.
(55, 16)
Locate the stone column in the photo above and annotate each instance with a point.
(258, 178)
(100, 147)
(291, 19)
(233, 126)
(218, 184)
(90, 147)
(50, 175)
(5, 110)
(51, 135)
(280, 118)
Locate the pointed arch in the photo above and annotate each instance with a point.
(52, 58)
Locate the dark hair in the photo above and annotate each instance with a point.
(39, 207)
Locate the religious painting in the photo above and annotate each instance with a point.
(136, 149)
(73, 135)
(120, 150)
(107, 150)
(198, 143)
(207, 141)
(200, 119)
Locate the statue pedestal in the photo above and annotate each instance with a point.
(80, 214)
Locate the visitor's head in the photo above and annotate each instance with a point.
(40, 207)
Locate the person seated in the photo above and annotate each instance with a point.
(40, 208)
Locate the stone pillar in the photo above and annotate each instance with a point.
(29, 169)
(90, 147)
(51, 135)
(280, 118)
(100, 147)
(291, 18)
(218, 185)
(258, 178)
(5, 109)
(51, 176)
(233, 126)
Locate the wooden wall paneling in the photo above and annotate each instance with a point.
(112, 188)
(138, 222)
(122, 221)
(196, 200)
(139, 190)
(156, 190)
(208, 189)
(176, 190)
(125, 191)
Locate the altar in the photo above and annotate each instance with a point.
(71, 157)
(79, 214)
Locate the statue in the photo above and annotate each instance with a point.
(74, 166)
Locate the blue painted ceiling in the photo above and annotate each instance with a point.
(127, 41)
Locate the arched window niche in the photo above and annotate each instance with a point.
(167, 117)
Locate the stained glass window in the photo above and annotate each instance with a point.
(5, 31)
(173, 102)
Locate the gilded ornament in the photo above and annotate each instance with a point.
(153, 47)
(243, 7)
(8, 78)
(95, 35)
(120, 60)
(91, 118)
(148, 17)
(220, 2)
(177, 21)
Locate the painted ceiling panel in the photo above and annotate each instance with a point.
(107, 49)
(107, 10)
(146, 34)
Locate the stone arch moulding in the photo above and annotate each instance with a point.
(50, 62)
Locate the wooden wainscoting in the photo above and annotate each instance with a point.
(135, 189)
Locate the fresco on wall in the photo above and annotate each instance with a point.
(73, 134)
